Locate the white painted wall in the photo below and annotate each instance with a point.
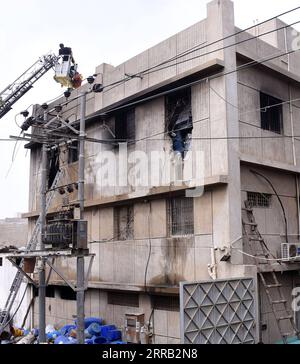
(7, 274)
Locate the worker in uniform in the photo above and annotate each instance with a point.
(66, 72)
(180, 128)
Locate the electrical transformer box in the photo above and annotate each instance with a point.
(63, 233)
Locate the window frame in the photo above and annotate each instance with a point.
(128, 119)
(267, 113)
(129, 231)
(181, 230)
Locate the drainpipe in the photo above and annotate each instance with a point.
(212, 268)
(292, 126)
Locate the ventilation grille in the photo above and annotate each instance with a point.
(257, 199)
(181, 216)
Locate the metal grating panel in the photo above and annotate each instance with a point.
(219, 312)
(257, 199)
(181, 216)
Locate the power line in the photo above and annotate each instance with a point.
(183, 54)
(202, 80)
(225, 47)
(191, 50)
(224, 38)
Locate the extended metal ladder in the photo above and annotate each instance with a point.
(12, 93)
(4, 315)
(274, 289)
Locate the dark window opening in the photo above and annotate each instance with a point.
(179, 121)
(53, 167)
(125, 125)
(262, 200)
(35, 291)
(165, 303)
(50, 291)
(271, 117)
(181, 216)
(67, 293)
(1, 262)
(123, 223)
(73, 152)
(123, 299)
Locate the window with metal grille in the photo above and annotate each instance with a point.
(181, 216)
(125, 125)
(123, 223)
(128, 299)
(165, 303)
(271, 113)
(73, 152)
(259, 199)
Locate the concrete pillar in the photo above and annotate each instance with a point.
(224, 123)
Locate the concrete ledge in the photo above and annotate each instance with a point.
(246, 158)
(205, 69)
(109, 286)
(155, 192)
(250, 56)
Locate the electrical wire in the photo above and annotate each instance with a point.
(183, 54)
(212, 43)
(16, 311)
(202, 80)
(279, 199)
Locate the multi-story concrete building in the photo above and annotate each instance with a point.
(147, 240)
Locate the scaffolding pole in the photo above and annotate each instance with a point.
(42, 273)
(80, 259)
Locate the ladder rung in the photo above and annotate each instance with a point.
(256, 239)
(285, 318)
(250, 223)
(278, 302)
(274, 285)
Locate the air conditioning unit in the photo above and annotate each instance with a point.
(290, 252)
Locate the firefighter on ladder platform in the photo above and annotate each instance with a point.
(66, 70)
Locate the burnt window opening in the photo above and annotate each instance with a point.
(262, 200)
(165, 303)
(73, 152)
(181, 216)
(271, 113)
(179, 120)
(123, 299)
(50, 291)
(67, 293)
(53, 166)
(123, 223)
(125, 125)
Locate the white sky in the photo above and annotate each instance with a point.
(98, 31)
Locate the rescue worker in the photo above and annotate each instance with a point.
(65, 52)
(180, 128)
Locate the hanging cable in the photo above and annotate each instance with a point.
(279, 199)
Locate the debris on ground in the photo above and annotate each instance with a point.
(96, 332)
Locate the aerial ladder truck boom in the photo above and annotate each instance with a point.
(13, 92)
(65, 73)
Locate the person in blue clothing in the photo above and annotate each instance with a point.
(180, 127)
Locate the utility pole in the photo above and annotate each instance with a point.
(42, 273)
(80, 258)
